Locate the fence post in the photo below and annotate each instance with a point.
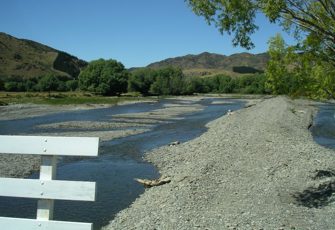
(47, 188)
(47, 172)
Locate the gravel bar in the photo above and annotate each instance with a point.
(257, 168)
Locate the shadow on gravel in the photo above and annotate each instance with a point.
(320, 174)
(320, 196)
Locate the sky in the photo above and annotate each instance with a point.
(134, 32)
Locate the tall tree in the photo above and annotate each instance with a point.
(276, 72)
(315, 18)
(169, 81)
(48, 83)
(106, 77)
(298, 73)
(140, 80)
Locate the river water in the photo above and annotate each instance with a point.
(323, 128)
(119, 161)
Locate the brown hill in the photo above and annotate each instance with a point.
(211, 63)
(21, 58)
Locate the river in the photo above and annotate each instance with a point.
(323, 128)
(119, 162)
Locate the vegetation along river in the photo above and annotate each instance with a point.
(120, 159)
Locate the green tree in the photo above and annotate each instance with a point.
(48, 83)
(219, 84)
(277, 74)
(323, 75)
(251, 84)
(225, 84)
(106, 77)
(29, 85)
(193, 85)
(71, 85)
(298, 72)
(313, 77)
(316, 18)
(141, 80)
(11, 86)
(169, 81)
(61, 86)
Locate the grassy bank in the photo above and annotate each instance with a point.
(63, 98)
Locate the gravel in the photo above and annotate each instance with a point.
(257, 168)
(91, 125)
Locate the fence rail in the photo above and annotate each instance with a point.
(47, 189)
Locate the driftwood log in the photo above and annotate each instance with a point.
(150, 183)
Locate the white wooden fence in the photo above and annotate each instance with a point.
(47, 189)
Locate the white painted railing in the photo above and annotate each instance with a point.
(47, 189)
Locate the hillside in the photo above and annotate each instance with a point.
(21, 58)
(210, 63)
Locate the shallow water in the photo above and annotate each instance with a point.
(323, 128)
(120, 160)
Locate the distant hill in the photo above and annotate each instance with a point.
(210, 63)
(21, 58)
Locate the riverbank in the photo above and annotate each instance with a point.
(257, 168)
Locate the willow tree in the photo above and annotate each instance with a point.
(313, 18)
(106, 77)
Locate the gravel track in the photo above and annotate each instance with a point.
(257, 168)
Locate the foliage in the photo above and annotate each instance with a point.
(109, 77)
(13, 86)
(313, 18)
(141, 80)
(232, 16)
(44, 83)
(298, 72)
(48, 83)
(194, 85)
(169, 81)
(71, 85)
(106, 77)
(307, 69)
(163, 81)
(277, 68)
(251, 84)
(248, 84)
(30, 85)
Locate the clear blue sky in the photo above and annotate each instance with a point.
(135, 32)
